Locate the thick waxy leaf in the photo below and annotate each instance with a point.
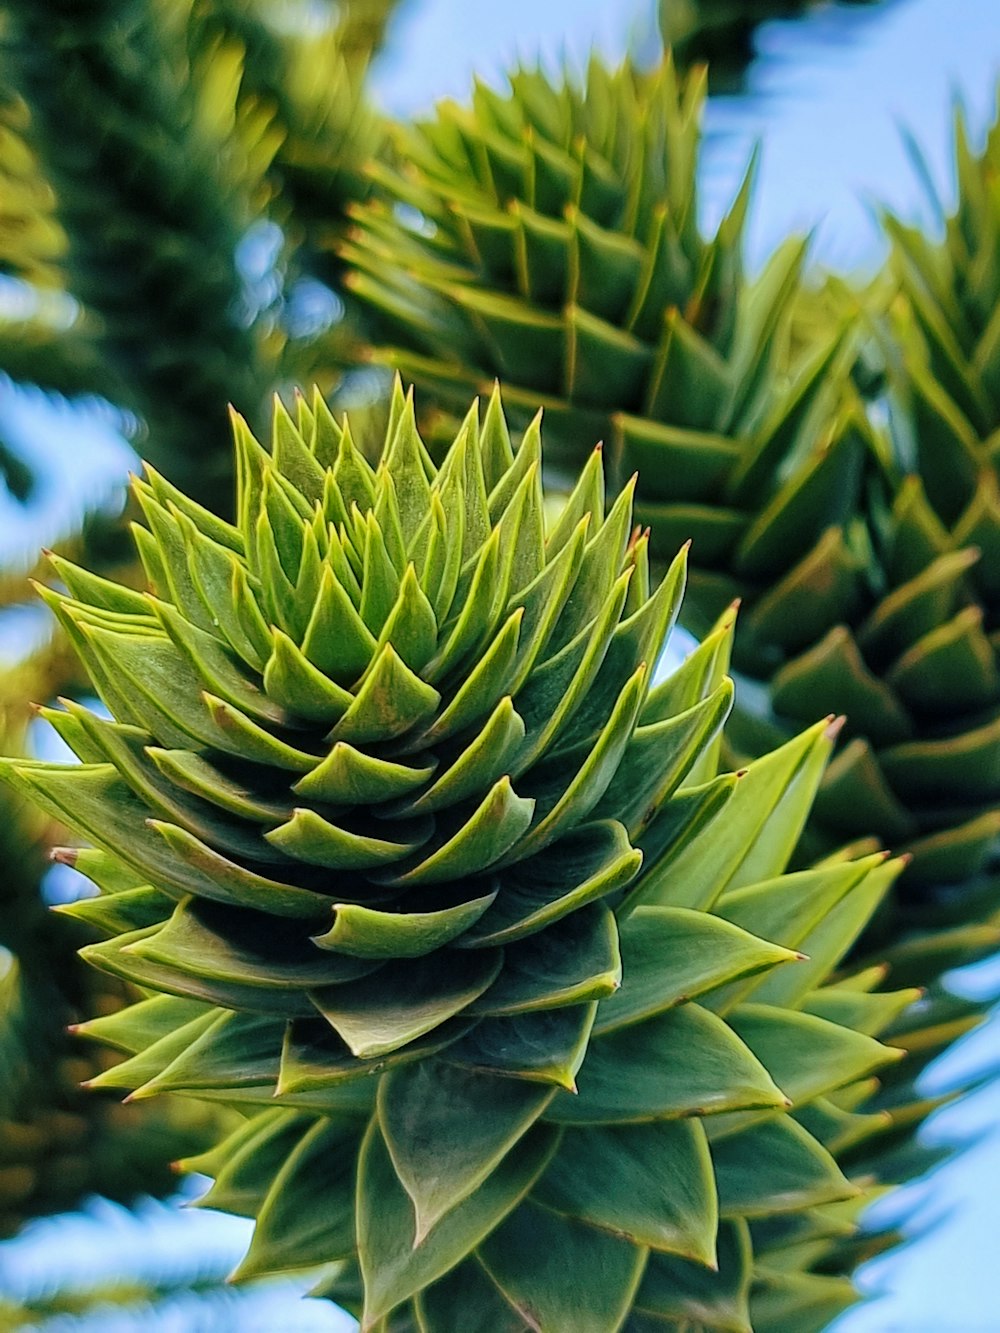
(250, 1159)
(673, 830)
(96, 591)
(115, 913)
(411, 626)
(144, 679)
(680, 1063)
(658, 757)
(753, 844)
(857, 773)
(633, 644)
(834, 670)
(301, 687)
(481, 761)
(775, 1167)
(236, 734)
(111, 875)
(799, 1300)
(213, 1159)
(826, 941)
(309, 837)
(556, 688)
(226, 944)
(701, 673)
(785, 909)
(546, 1264)
(575, 959)
(216, 668)
(670, 955)
(466, 1300)
(196, 868)
(401, 1002)
(337, 641)
(103, 809)
(235, 1051)
(675, 1290)
(118, 957)
(481, 839)
(394, 1265)
(806, 1055)
(348, 776)
(581, 868)
(148, 1062)
(447, 1128)
(195, 774)
(482, 689)
(314, 1059)
(392, 700)
(575, 801)
(548, 1046)
(126, 748)
(664, 1190)
(822, 913)
(134, 1028)
(364, 932)
(871, 1014)
(307, 1216)
(477, 615)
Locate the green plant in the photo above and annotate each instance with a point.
(134, 189)
(945, 363)
(551, 237)
(441, 894)
(166, 199)
(59, 1144)
(555, 242)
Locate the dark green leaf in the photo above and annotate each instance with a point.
(652, 1184)
(548, 1046)
(676, 1290)
(548, 1265)
(307, 1216)
(671, 954)
(680, 1063)
(575, 959)
(447, 1128)
(394, 1265)
(405, 999)
(775, 1167)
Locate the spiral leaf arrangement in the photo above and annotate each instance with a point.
(433, 884)
(549, 235)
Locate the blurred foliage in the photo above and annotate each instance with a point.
(166, 205)
(168, 202)
(722, 32)
(155, 1287)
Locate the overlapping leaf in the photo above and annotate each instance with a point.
(430, 882)
(549, 236)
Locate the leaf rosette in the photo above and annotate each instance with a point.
(439, 890)
(549, 233)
